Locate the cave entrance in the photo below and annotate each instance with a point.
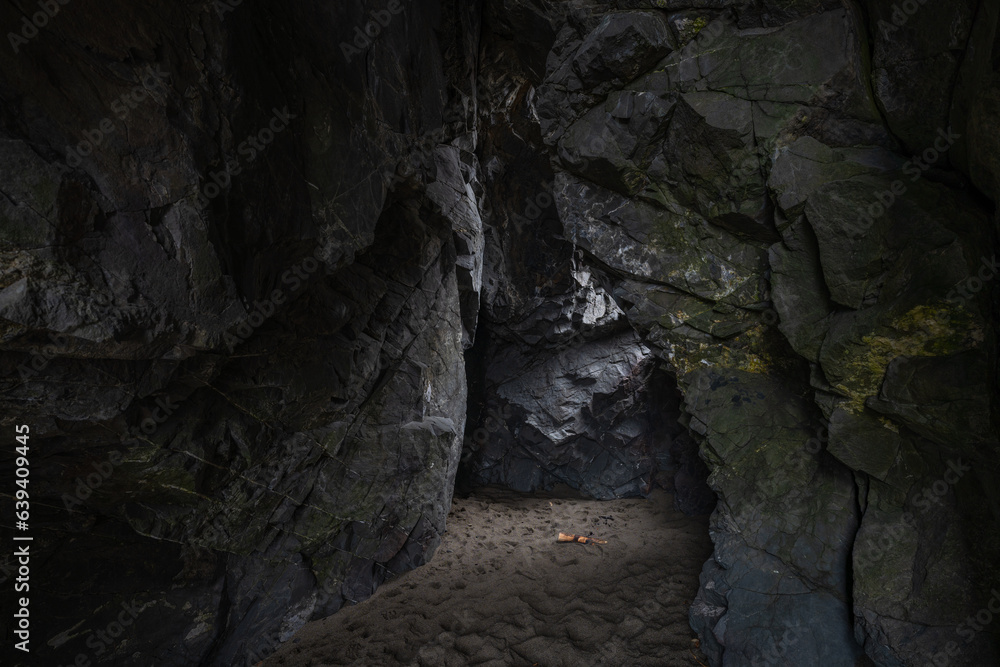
(501, 588)
(600, 416)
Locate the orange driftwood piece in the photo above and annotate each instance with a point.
(563, 537)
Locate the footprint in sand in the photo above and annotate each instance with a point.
(547, 600)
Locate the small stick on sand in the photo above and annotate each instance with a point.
(563, 537)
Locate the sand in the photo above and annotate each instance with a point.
(501, 590)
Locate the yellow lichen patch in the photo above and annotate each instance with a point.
(925, 331)
(751, 363)
(745, 352)
(888, 423)
(746, 358)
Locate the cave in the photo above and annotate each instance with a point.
(500, 332)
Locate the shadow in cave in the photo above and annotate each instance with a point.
(502, 590)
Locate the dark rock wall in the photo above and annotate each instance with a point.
(566, 381)
(793, 205)
(234, 317)
(249, 256)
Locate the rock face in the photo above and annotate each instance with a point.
(239, 265)
(744, 187)
(273, 278)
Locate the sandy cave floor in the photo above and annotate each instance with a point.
(501, 591)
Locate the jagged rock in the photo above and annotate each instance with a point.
(456, 192)
(891, 248)
(582, 421)
(915, 62)
(855, 290)
(264, 337)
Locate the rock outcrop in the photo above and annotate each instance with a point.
(241, 259)
(744, 185)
